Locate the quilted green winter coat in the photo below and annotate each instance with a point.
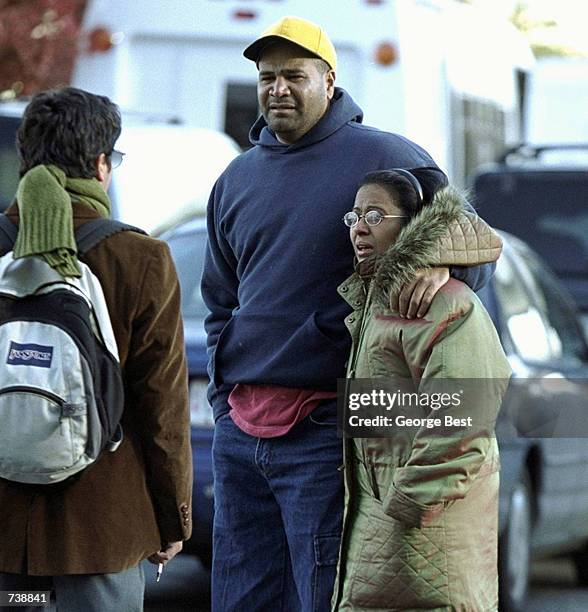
(421, 507)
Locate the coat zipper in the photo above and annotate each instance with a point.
(355, 347)
(351, 375)
(368, 466)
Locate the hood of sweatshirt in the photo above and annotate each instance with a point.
(342, 110)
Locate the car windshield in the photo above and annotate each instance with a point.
(193, 161)
(188, 252)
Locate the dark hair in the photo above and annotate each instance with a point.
(69, 128)
(402, 185)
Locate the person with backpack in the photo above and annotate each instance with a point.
(95, 459)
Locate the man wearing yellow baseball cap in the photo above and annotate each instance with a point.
(300, 32)
(277, 339)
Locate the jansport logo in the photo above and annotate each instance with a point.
(30, 355)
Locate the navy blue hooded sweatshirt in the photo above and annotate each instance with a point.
(278, 249)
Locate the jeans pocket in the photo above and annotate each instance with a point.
(325, 414)
(326, 556)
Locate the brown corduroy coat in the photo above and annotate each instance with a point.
(123, 507)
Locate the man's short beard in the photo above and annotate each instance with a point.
(280, 124)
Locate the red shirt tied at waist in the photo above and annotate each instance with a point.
(269, 411)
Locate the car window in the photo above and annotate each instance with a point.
(8, 160)
(520, 315)
(188, 253)
(562, 323)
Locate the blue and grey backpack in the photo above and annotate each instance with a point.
(61, 389)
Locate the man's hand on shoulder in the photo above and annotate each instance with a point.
(167, 553)
(415, 298)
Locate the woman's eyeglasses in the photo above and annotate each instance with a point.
(371, 217)
(116, 158)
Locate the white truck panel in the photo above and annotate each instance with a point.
(177, 58)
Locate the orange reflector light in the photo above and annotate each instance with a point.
(386, 54)
(99, 40)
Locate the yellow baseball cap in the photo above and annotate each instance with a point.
(299, 31)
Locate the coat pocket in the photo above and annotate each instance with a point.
(399, 567)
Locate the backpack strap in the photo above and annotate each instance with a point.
(8, 233)
(87, 235)
(94, 231)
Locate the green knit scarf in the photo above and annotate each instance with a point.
(44, 197)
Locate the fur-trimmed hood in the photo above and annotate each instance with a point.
(443, 233)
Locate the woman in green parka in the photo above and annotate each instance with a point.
(421, 508)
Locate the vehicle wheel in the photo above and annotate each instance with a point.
(514, 549)
(580, 559)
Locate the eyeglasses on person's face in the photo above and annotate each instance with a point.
(116, 158)
(371, 217)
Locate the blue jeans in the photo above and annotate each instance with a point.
(278, 515)
(122, 591)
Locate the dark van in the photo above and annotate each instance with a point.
(540, 194)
